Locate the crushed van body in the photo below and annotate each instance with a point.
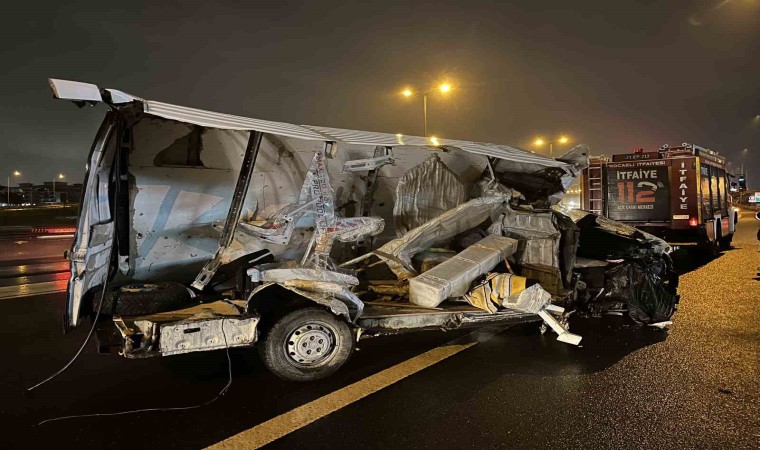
(202, 230)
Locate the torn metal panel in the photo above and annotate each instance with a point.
(441, 229)
(206, 334)
(90, 251)
(453, 277)
(538, 234)
(491, 293)
(563, 335)
(233, 214)
(360, 165)
(378, 324)
(424, 192)
(334, 296)
(280, 275)
(532, 299)
(587, 220)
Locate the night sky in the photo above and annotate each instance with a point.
(612, 74)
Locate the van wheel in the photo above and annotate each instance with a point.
(306, 344)
(136, 299)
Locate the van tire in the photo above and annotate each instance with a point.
(315, 330)
(136, 299)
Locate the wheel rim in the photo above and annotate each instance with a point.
(311, 344)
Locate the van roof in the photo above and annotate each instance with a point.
(85, 92)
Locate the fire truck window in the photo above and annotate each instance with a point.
(714, 191)
(704, 172)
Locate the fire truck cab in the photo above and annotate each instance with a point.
(680, 194)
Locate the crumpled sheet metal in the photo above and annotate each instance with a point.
(488, 187)
(333, 296)
(352, 229)
(424, 192)
(508, 291)
(538, 233)
(452, 278)
(281, 275)
(494, 290)
(585, 218)
(531, 300)
(441, 229)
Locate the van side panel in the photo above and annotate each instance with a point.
(183, 175)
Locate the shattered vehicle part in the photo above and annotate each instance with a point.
(640, 287)
(438, 230)
(495, 290)
(453, 277)
(359, 165)
(200, 328)
(233, 215)
(425, 192)
(205, 335)
(263, 219)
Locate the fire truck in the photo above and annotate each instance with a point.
(680, 194)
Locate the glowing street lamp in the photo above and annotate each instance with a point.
(443, 88)
(60, 177)
(15, 173)
(561, 140)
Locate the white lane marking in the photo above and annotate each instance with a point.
(47, 287)
(297, 418)
(34, 269)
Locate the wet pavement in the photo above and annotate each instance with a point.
(696, 385)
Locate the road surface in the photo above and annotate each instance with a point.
(696, 385)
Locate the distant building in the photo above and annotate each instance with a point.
(47, 192)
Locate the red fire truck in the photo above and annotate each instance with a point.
(680, 194)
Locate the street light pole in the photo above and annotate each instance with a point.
(444, 88)
(60, 177)
(424, 115)
(562, 140)
(15, 173)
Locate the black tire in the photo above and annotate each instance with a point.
(327, 338)
(136, 299)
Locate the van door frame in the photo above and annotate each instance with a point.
(94, 236)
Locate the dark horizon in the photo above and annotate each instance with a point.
(614, 76)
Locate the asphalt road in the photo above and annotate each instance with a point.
(694, 386)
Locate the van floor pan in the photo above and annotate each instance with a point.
(378, 320)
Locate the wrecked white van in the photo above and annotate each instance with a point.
(202, 231)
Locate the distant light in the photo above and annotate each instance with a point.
(407, 93)
(434, 140)
(60, 176)
(444, 88)
(538, 141)
(563, 140)
(16, 173)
